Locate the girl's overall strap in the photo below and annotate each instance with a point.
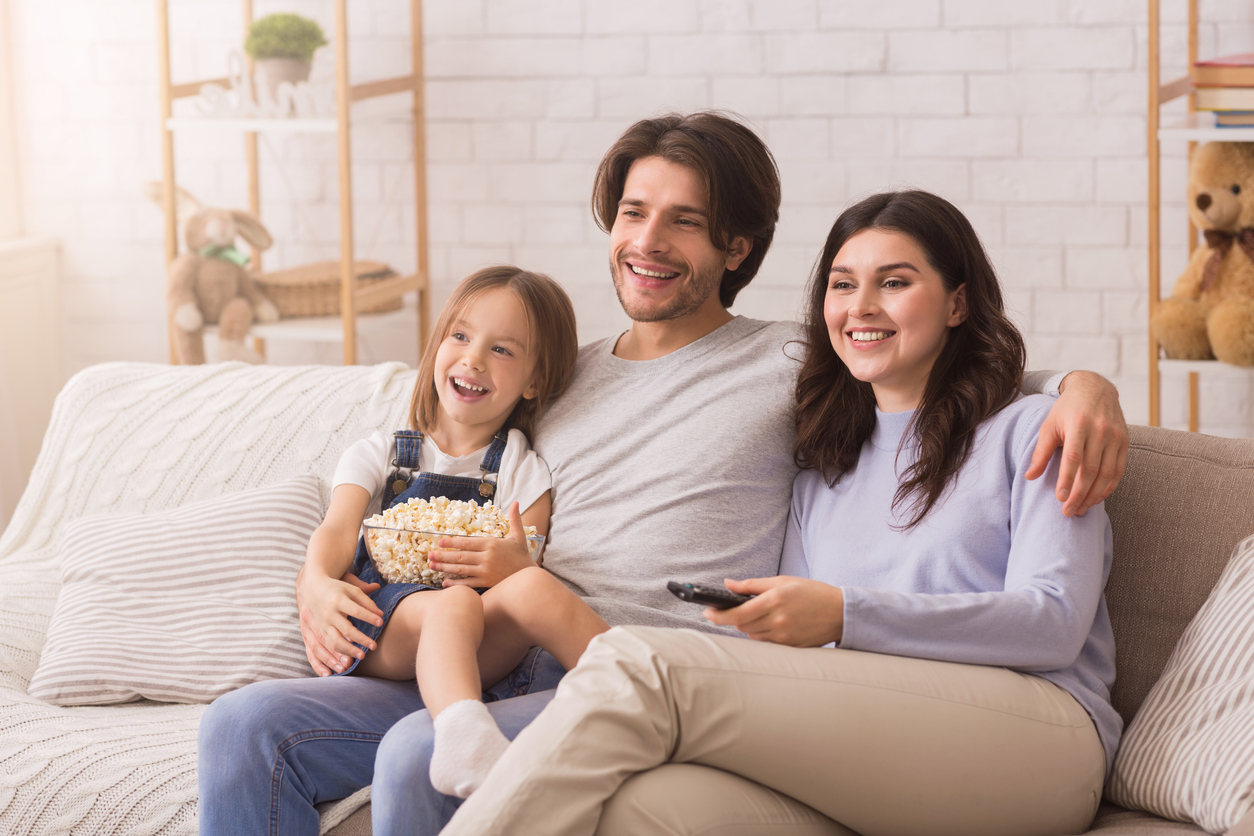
(492, 462)
(408, 451)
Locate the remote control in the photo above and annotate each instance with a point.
(710, 596)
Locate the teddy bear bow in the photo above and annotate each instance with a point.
(1221, 242)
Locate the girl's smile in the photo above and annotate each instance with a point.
(467, 388)
(888, 314)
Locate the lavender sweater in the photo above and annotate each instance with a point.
(993, 575)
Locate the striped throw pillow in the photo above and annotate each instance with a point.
(1189, 752)
(183, 605)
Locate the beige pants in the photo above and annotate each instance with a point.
(881, 744)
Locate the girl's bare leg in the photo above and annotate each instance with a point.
(449, 632)
(393, 657)
(441, 640)
(445, 662)
(434, 638)
(531, 607)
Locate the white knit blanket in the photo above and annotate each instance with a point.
(135, 438)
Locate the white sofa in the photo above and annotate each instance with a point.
(128, 437)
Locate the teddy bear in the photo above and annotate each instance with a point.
(209, 284)
(1210, 313)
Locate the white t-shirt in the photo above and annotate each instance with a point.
(523, 477)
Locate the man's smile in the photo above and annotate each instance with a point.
(651, 274)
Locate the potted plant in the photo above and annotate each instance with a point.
(282, 47)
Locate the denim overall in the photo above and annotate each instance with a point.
(422, 485)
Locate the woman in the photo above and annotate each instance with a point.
(969, 689)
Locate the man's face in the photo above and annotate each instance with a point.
(663, 263)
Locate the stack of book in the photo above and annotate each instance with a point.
(1226, 86)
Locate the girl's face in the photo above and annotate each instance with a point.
(888, 314)
(486, 364)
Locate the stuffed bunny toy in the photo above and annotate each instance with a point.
(208, 284)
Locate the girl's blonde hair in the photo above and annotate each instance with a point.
(551, 338)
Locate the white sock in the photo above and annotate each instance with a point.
(467, 745)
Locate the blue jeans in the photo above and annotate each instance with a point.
(271, 751)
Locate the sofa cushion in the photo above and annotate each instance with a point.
(1116, 821)
(183, 605)
(1184, 502)
(1188, 754)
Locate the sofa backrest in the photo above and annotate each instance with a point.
(129, 438)
(1183, 504)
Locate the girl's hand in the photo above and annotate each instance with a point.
(326, 605)
(483, 561)
(793, 611)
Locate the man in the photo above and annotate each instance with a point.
(672, 459)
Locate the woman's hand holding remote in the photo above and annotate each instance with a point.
(795, 611)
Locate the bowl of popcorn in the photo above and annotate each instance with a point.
(399, 539)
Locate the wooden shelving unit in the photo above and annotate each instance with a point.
(1194, 128)
(351, 297)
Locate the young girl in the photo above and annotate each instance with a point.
(505, 347)
(968, 691)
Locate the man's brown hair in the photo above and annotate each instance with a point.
(738, 170)
(551, 338)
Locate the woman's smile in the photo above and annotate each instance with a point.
(869, 338)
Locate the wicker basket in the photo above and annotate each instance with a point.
(314, 289)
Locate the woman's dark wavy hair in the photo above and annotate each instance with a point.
(978, 372)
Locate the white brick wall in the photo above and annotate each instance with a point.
(1030, 116)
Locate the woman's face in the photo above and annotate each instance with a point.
(888, 314)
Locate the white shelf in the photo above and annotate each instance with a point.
(1200, 127)
(1182, 367)
(319, 125)
(327, 329)
(289, 124)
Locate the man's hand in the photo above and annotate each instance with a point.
(483, 561)
(330, 653)
(323, 661)
(793, 611)
(1089, 426)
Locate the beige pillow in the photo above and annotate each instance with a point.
(1189, 752)
(183, 605)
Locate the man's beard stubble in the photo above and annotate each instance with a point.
(696, 291)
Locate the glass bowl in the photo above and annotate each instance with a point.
(400, 554)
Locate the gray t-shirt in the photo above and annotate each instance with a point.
(679, 468)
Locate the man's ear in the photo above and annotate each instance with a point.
(958, 310)
(738, 251)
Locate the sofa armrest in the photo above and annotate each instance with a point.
(1245, 827)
